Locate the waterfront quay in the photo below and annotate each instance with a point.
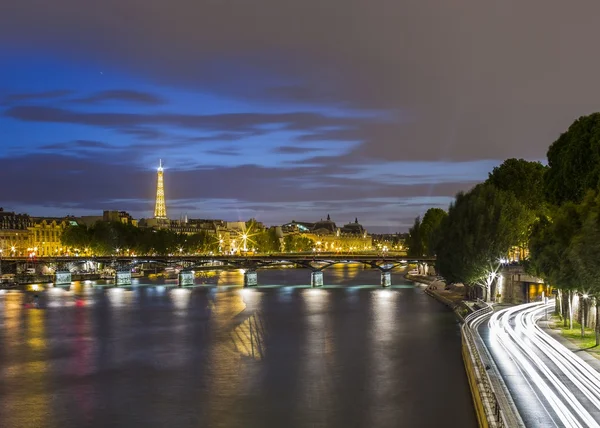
(521, 372)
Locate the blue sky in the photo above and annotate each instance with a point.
(370, 110)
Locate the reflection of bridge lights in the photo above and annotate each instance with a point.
(315, 294)
(180, 297)
(116, 296)
(384, 294)
(245, 292)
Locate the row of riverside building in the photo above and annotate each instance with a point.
(25, 235)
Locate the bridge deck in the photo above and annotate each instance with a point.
(227, 258)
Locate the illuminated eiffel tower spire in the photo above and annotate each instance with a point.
(160, 209)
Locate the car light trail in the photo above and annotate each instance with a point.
(565, 384)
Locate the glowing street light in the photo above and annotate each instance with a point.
(245, 241)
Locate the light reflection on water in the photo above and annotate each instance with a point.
(154, 355)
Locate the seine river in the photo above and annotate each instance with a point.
(280, 355)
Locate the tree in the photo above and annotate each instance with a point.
(298, 243)
(414, 240)
(523, 179)
(584, 254)
(574, 162)
(76, 236)
(482, 225)
(549, 244)
(430, 230)
(267, 241)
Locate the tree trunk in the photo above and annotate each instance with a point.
(597, 321)
(582, 314)
(565, 313)
(570, 309)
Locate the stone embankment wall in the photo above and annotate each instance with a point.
(489, 396)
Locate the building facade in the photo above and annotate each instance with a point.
(328, 237)
(45, 236)
(14, 233)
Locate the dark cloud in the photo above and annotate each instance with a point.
(472, 88)
(243, 183)
(77, 144)
(239, 122)
(296, 150)
(59, 93)
(224, 152)
(123, 95)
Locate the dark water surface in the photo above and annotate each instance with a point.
(348, 355)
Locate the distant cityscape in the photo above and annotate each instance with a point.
(24, 235)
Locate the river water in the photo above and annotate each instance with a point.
(279, 355)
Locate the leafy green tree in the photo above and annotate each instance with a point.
(76, 237)
(574, 162)
(267, 241)
(584, 254)
(430, 230)
(549, 244)
(523, 179)
(298, 243)
(414, 242)
(482, 225)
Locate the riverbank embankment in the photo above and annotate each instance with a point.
(489, 397)
(451, 296)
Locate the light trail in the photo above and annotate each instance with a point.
(565, 385)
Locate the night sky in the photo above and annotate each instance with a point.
(279, 109)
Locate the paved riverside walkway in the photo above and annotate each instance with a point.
(583, 354)
(436, 286)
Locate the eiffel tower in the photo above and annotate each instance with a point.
(160, 209)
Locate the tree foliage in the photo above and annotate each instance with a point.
(430, 230)
(104, 238)
(266, 241)
(414, 242)
(482, 225)
(524, 179)
(574, 162)
(297, 243)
